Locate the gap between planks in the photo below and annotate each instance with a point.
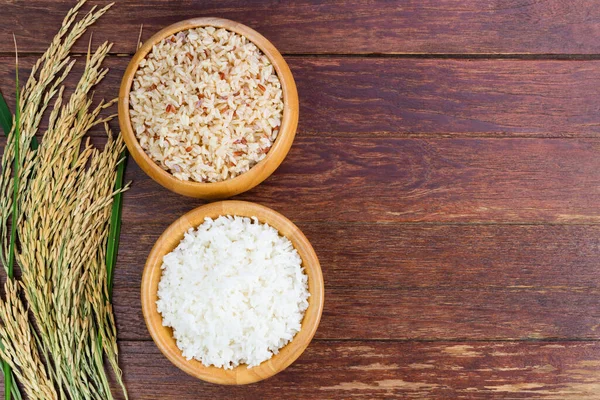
(431, 340)
(426, 56)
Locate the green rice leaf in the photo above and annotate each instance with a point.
(10, 386)
(8, 390)
(6, 121)
(34, 143)
(5, 116)
(6, 371)
(5, 368)
(15, 388)
(16, 393)
(115, 224)
(16, 184)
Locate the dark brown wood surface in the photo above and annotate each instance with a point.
(446, 170)
(397, 369)
(397, 97)
(341, 26)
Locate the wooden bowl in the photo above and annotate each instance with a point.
(256, 174)
(163, 336)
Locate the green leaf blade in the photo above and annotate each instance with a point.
(6, 117)
(6, 120)
(16, 184)
(8, 375)
(115, 224)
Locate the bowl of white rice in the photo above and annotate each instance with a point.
(208, 108)
(232, 292)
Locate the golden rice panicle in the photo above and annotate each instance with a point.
(46, 77)
(63, 213)
(67, 208)
(15, 330)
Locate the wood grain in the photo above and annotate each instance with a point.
(379, 26)
(448, 97)
(452, 314)
(334, 179)
(357, 310)
(520, 181)
(428, 282)
(428, 257)
(414, 97)
(452, 200)
(384, 370)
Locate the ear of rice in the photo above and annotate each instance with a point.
(58, 343)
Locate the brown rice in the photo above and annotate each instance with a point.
(206, 104)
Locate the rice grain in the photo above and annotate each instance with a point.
(206, 104)
(234, 292)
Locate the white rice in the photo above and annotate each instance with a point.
(234, 291)
(206, 104)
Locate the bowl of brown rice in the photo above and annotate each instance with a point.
(208, 108)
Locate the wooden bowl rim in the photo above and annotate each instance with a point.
(258, 173)
(163, 337)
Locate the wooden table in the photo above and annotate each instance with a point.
(446, 170)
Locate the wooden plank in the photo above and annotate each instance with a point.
(431, 314)
(400, 97)
(383, 370)
(387, 281)
(428, 257)
(427, 282)
(379, 26)
(448, 97)
(413, 180)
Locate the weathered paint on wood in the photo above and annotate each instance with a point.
(385, 370)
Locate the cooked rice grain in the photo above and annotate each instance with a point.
(234, 292)
(206, 104)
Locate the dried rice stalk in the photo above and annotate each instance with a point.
(63, 214)
(24, 360)
(46, 76)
